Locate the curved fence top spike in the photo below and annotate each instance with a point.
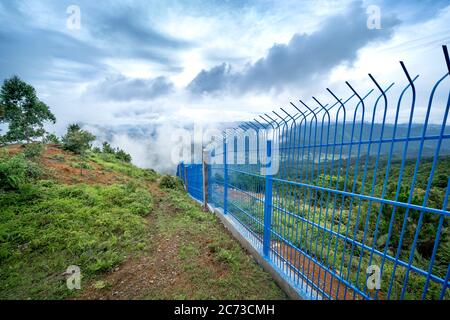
(318, 102)
(282, 119)
(406, 73)
(259, 123)
(270, 123)
(361, 101)
(383, 93)
(447, 58)
(354, 91)
(338, 100)
(270, 118)
(261, 116)
(310, 110)
(301, 112)
(293, 119)
(248, 125)
(287, 113)
(273, 120)
(224, 133)
(323, 108)
(377, 84)
(253, 126)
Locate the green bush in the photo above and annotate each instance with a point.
(33, 150)
(119, 154)
(77, 140)
(96, 150)
(150, 174)
(123, 156)
(107, 148)
(17, 171)
(169, 182)
(51, 138)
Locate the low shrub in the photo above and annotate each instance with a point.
(51, 138)
(33, 150)
(81, 165)
(117, 153)
(77, 140)
(17, 171)
(169, 182)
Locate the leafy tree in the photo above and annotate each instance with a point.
(107, 148)
(33, 150)
(76, 140)
(117, 153)
(51, 138)
(23, 111)
(123, 156)
(2, 114)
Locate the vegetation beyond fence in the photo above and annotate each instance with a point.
(358, 208)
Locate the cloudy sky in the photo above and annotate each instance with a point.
(166, 64)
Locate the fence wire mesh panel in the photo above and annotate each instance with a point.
(192, 177)
(358, 206)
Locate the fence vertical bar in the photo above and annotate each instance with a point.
(186, 178)
(268, 202)
(225, 178)
(205, 179)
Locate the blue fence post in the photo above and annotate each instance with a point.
(210, 181)
(268, 202)
(186, 181)
(225, 178)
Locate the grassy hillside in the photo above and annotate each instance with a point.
(131, 238)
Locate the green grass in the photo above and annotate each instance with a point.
(51, 226)
(110, 163)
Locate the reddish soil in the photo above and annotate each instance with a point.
(319, 275)
(64, 172)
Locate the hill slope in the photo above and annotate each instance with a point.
(131, 238)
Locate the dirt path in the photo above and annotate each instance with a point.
(184, 261)
(136, 276)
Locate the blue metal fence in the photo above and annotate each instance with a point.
(192, 177)
(358, 208)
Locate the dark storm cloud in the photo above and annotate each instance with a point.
(338, 40)
(127, 28)
(35, 53)
(129, 34)
(120, 88)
